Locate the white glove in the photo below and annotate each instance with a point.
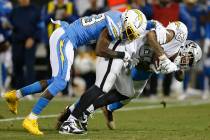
(131, 63)
(166, 66)
(134, 62)
(154, 68)
(161, 33)
(127, 57)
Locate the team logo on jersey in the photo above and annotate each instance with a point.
(66, 128)
(181, 37)
(177, 23)
(61, 45)
(113, 28)
(114, 31)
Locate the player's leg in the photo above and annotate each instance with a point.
(73, 122)
(64, 115)
(106, 99)
(103, 100)
(108, 113)
(112, 99)
(105, 78)
(61, 58)
(91, 94)
(137, 75)
(106, 72)
(115, 106)
(13, 96)
(109, 110)
(86, 99)
(105, 84)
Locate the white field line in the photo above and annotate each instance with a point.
(195, 103)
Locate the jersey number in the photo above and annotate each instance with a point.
(87, 21)
(146, 54)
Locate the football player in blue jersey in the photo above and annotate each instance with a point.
(104, 28)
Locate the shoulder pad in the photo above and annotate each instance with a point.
(114, 31)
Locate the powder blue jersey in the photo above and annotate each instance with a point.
(88, 29)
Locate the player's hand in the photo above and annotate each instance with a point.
(154, 68)
(126, 65)
(29, 43)
(134, 62)
(131, 63)
(166, 66)
(127, 57)
(161, 33)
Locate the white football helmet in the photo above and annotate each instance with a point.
(135, 23)
(189, 55)
(179, 29)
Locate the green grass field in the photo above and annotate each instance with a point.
(142, 120)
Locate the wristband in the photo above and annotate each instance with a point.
(120, 55)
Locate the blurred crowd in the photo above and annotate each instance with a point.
(25, 28)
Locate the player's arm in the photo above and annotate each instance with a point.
(102, 47)
(165, 65)
(152, 41)
(160, 30)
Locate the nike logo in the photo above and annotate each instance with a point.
(66, 128)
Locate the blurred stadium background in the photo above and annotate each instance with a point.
(22, 64)
(25, 27)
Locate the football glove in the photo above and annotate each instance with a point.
(165, 65)
(127, 57)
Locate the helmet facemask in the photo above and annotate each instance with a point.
(184, 60)
(131, 34)
(186, 56)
